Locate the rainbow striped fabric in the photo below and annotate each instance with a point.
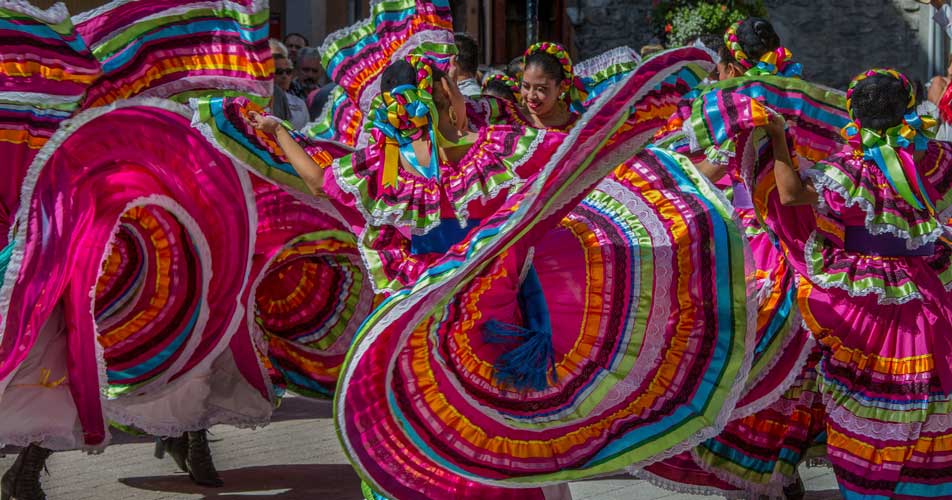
(44, 76)
(124, 170)
(419, 410)
(178, 49)
(356, 56)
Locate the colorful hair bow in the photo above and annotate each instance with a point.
(776, 62)
(403, 115)
(890, 148)
(576, 93)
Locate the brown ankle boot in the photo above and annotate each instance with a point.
(200, 466)
(22, 481)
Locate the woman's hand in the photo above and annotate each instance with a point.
(264, 123)
(776, 126)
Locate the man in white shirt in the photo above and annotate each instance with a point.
(464, 65)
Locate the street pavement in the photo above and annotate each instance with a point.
(296, 457)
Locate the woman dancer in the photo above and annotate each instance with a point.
(876, 294)
(779, 417)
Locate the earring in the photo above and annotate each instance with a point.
(454, 118)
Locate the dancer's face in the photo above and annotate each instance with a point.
(540, 92)
(726, 71)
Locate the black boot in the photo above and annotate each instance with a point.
(200, 466)
(22, 481)
(177, 447)
(795, 491)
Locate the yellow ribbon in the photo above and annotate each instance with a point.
(391, 162)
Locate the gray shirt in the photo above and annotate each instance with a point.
(470, 87)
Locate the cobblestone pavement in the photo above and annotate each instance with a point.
(297, 457)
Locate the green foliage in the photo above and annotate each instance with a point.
(678, 21)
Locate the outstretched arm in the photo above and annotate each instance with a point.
(792, 189)
(711, 170)
(311, 173)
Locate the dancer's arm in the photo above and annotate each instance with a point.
(792, 189)
(711, 170)
(311, 173)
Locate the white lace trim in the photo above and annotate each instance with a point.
(33, 100)
(204, 254)
(816, 278)
(255, 6)
(611, 57)
(938, 423)
(409, 300)
(391, 216)
(212, 416)
(788, 380)
(689, 489)
(54, 441)
(348, 30)
(29, 185)
(730, 402)
(773, 488)
(192, 82)
(372, 87)
(53, 15)
(322, 204)
(822, 182)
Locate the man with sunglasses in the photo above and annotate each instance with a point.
(283, 70)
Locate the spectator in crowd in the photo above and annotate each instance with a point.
(310, 72)
(282, 80)
(279, 100)
(295, 42)
(464, 65)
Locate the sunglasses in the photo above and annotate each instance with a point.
(294, 46)
(283, 71)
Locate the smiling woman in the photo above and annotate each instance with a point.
(549, 86)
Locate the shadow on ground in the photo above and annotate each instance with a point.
(275, 482)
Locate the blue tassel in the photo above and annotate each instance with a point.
(531, 365)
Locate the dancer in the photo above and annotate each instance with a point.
(552, 94)
(120, 326)
(876, 290)
(778, 419)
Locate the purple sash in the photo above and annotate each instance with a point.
(859, 239)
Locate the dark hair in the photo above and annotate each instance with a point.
(920, 91)
(712, 42)
(467, 53)
(402, 73)
(500, 90)
(757, 37)
(302, 37)
(879, 102)
(549, 64)
(514, 68)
